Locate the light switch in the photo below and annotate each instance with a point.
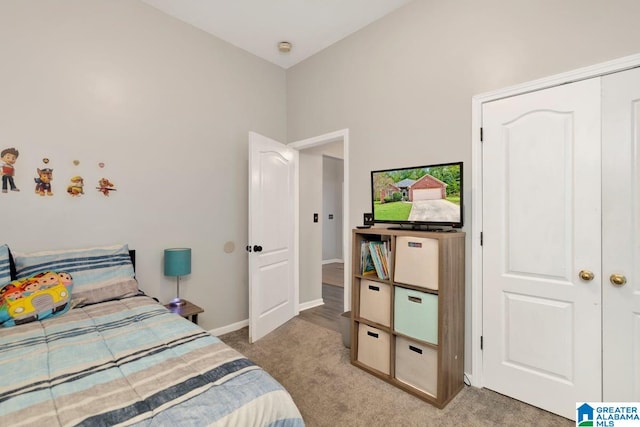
(315, 217)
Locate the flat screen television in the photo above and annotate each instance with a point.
(419, 196)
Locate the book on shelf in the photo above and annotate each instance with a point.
(366, 260)
(380, 255)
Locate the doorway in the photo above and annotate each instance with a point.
(332, 231)
(312, 220)
(330, 222)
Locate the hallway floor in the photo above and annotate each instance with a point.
(328, 314)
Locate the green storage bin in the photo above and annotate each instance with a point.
(416, 314)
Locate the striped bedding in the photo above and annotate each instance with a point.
(132, 362)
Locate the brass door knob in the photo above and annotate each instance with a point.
(586, 275)
(618, 279)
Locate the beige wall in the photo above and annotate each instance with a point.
(403, 85)
(166, 107)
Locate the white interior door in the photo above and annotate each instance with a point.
(272, 288)
(541, 227)
(621, 234)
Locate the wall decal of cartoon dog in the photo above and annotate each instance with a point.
(43, 182)
(75, 188)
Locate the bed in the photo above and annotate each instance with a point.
(125, 360)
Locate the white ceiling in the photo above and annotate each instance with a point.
(259, 25)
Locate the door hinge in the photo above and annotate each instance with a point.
(481, 238)
(481, 342)
(481, 135)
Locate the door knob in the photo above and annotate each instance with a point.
(257, 248)
(618, 279)
(586, 275)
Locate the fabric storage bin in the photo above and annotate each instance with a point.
(416, 314)
(417, 365)
(417, 261)
(375, 301)
(374, 348)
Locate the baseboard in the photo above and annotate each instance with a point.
(331, 261)
(230, 328)
(310, 304)
(239, 325)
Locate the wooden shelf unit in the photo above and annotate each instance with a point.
(437, 370)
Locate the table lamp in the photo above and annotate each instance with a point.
(177, 262)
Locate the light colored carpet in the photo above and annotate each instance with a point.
(333, 274)
(311, 362)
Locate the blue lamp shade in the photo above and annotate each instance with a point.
(177, 261)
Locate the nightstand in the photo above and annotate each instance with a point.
(187, 310)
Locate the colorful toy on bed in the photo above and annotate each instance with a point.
(33, 298)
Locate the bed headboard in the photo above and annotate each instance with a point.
(132, 255)
(12, 266)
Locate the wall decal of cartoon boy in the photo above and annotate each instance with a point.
(8, 157)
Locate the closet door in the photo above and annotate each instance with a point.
(542, 247)
(620, 237)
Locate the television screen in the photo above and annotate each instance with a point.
(421, 195)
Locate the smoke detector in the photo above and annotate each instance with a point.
(284, 47)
